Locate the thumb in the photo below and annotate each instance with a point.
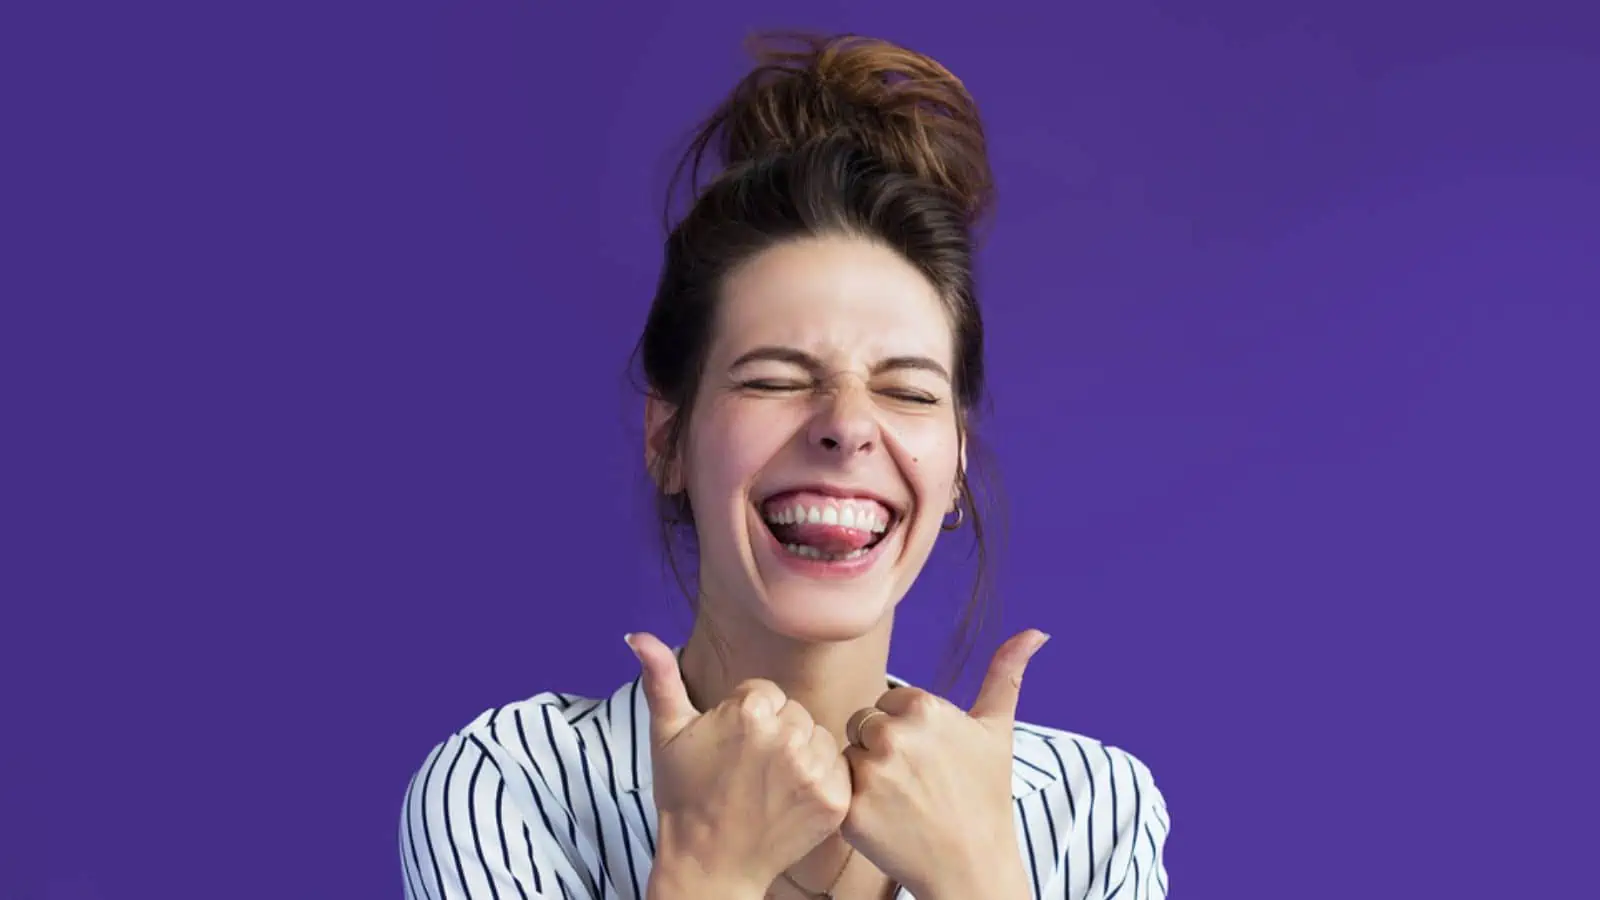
(1002, 686)
(664, 693)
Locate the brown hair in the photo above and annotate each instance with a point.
(825, 135)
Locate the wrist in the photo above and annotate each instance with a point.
(687, 870)
(999, 877)
(684, 878)
(978, 889)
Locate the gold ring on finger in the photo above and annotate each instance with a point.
(854, 728)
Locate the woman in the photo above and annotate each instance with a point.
(813, 351)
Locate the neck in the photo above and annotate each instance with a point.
(831, 680)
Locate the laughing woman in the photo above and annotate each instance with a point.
(813, 352)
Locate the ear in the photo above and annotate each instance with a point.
(658, 415)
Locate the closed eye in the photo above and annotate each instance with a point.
(766, 384)
(775, 386)
(913, 397)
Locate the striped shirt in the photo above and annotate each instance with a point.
(549, 797)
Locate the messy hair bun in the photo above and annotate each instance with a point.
(902, 107)
(842, 135)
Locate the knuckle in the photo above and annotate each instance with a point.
(753, 687)
(889, 737)
(797, 738)
(823, 741)
(796, 716)
(921, 703)
(757, 698)
(752, 721)
(796, 754)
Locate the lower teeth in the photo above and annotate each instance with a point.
(810, 552)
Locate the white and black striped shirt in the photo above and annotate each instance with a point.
(550, 797)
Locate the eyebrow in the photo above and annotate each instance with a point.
(807, 361)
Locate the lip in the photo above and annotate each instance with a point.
(840, 492)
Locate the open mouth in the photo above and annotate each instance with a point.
(827, 529)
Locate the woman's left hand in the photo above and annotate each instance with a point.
(932, 785)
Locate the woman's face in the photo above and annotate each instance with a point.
(822, 451)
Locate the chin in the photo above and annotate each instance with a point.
(802, 612)
(818, 601)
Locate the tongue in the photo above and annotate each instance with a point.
(827, 538)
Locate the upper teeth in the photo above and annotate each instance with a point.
(845, 514)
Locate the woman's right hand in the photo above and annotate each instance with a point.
(743, 791)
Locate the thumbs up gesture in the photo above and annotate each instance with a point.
(931, 803)
(743, 791)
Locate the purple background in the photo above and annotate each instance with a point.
(315, 325)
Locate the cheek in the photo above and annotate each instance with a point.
(934, 451)
(730, 445)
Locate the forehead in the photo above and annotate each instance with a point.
(842, 298)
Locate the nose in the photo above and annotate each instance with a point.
(845, 425)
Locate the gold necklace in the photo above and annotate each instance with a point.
(827, 894)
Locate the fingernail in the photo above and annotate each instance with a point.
(1042, 641)
(628, 639)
